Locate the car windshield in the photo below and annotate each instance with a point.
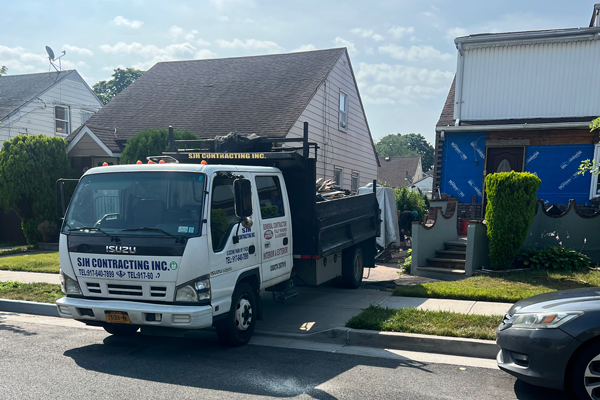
(137, 203)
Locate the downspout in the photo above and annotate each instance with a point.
(459, 85)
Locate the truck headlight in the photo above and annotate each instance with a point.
(194, 291)
(69, 285)
(548, 320)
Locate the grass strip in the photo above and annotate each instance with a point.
(440, 323)
(37, 262)
(509, 288)
(40, 292)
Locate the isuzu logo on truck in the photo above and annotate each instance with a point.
(121, 249)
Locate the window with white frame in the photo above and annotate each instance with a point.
(85, 115)
(595, 186)
(343, 122)
(61, 116)
(354, 182)
(338, 176)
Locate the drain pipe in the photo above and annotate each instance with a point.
(459, 84)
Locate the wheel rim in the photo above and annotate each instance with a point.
(591, 378)
(358, 266)
(243, 314)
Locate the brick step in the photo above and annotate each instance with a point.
(460, 245)
(453, 254)
(446, 263)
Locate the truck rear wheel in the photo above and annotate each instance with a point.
(353, 264)
(120, 330)
(237, 329)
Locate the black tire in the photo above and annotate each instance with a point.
(353, 266)
(237, 329)
(580, 377)
(121, 330)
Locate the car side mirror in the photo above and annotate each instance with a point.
(242, 189)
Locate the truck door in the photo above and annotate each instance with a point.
(274, 229)
(226, 256)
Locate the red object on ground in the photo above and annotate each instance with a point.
(464, 225)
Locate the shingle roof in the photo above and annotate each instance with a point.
(17, 90)
(393, 170)
(107, 136)
(447, 116)
(261, 94)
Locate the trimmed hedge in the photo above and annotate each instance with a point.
(509, 213)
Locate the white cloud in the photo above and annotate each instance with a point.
(414, 53)
(455, 32)
(249, 44)
(77, 50)
(367, 34)
(339, 42)
(223, 18)
(399, 31)
(190, 35)
(175, 32)
(305, 47)
(203, 54)
(201, 42)
(122, 21)
(18, 60)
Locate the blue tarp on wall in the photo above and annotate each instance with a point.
(462, 165)
(556, 165)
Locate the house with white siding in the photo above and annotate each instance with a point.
(271, 96)
(521, 101)
(49, 103)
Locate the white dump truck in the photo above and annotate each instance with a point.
(190, 240)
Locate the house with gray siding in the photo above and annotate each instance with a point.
(521, 101)
(271, 96)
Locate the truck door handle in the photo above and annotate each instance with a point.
(285, 241)
(251, 249)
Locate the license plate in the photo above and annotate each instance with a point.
(117, 317)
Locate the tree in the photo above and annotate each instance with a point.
(591, 165)
(29, 168)
(107, 90)
(150, 142)
(410, 144)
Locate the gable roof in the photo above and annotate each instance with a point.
(18, 90)
(393, 170)
(260, 94)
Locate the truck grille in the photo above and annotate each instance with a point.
(114, 290)
(127, 290)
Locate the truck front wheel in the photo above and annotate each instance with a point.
(353, 265)
(237, 329)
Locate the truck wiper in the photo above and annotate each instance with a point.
(148, 229)
(88, 228)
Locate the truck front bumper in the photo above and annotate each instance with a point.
(141, 314)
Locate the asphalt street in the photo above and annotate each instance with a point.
(50, 358)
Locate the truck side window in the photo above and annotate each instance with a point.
(222, 212)
(269, 197)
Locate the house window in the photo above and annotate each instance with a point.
(85, 115)
(595, 187)
(61, 116)
(338, 176)
(343, 123)
(354, 182)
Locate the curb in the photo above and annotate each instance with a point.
(29, 307)
(454, 346)
(463, 347)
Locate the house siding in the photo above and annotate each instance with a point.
(351, 150)
(37, 116)
(530, 80)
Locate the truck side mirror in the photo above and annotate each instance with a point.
(242, 189)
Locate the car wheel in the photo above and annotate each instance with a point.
(237, 329)
(121, 330)
(353, 266)
(585, 374)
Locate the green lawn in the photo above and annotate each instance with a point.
(509, 288)
(35, 262)
(40, 292)
(439, 323)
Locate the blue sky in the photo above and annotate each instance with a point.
(402, 51)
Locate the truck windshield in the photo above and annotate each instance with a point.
(137, 203)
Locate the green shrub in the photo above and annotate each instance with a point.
(406, 264)
(150, 142)
(29, 169)
(509, 213)
(408, 200)
(553, 258)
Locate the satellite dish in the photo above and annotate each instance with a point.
(50, 53)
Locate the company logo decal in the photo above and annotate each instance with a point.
(121, 249)
(269, 234)
(173, 266)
